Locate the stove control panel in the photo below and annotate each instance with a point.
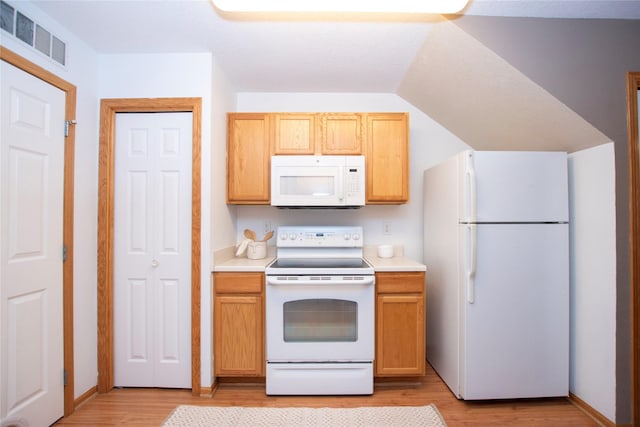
(319, 236)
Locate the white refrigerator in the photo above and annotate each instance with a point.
(496, 246)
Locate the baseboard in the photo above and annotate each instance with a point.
(206, 391)
(249, 381)
(84, 396)
(588, 409)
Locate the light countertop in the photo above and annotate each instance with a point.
(400, 263)
(227, 261)
(244, 264)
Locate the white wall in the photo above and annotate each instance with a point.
(81, 71)
(593, 277)
(176, 75)
(429, 144)
(223, 227)
(223, 216)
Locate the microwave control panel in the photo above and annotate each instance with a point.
(354, 179)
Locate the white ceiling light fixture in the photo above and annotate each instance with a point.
(347, 6)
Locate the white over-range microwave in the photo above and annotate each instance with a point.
(317, 181)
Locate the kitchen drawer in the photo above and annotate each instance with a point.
(238, 283)
(400, 282)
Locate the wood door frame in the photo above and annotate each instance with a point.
(106, 166)
(67, 227)
(633, 86)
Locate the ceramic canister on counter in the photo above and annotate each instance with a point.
(257, 250)
(385, 251)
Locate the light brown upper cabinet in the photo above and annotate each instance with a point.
(294, 133)
(317, 133)
(387, 158)
(248, 158)
(340, 133)
(383, 138)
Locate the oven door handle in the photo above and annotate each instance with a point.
(360, 280)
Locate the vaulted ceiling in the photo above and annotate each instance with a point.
(469, 72)
(486, 101)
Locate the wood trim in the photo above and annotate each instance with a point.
(108, 110)
(85, 396)
(105, 250)
(633, 85)
(206, 391)
(588, 409)
(67, 233)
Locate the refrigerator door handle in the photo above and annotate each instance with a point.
(472, 188)
(472, 247)
(472, 211)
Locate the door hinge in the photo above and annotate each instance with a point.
(65, 377)
(64, 253)
(67, 123)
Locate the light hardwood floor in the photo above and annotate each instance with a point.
(149, 407)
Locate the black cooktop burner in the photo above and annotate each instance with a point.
(318, 263)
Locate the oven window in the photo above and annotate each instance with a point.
(320, 320)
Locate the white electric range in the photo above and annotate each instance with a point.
(320, 295)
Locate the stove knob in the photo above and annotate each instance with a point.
(355, 236)
(347, 236)
(292, 236)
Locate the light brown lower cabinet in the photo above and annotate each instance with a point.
(238, 315)
(400, 324)
(239, 322)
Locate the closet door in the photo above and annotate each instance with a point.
(152, 250)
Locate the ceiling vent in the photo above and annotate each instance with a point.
(25, 29)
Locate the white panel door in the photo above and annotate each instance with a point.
(31, 217)
(152, 250)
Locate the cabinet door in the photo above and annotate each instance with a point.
(400, 324)
(239, 336)
(294, 133)
(400, 333)
(387, 152)
(248, 158)
(341, 134)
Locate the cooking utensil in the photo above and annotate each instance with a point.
(249, 234)
(267, 236)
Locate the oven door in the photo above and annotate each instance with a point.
(319, 319)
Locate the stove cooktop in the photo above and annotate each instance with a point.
(319, 250)
(313, 263)
(317, 266)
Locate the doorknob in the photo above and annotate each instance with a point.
(154, 263)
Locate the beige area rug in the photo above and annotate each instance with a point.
(396, 416)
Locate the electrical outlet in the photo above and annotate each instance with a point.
(267, 226)
(386, 228)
